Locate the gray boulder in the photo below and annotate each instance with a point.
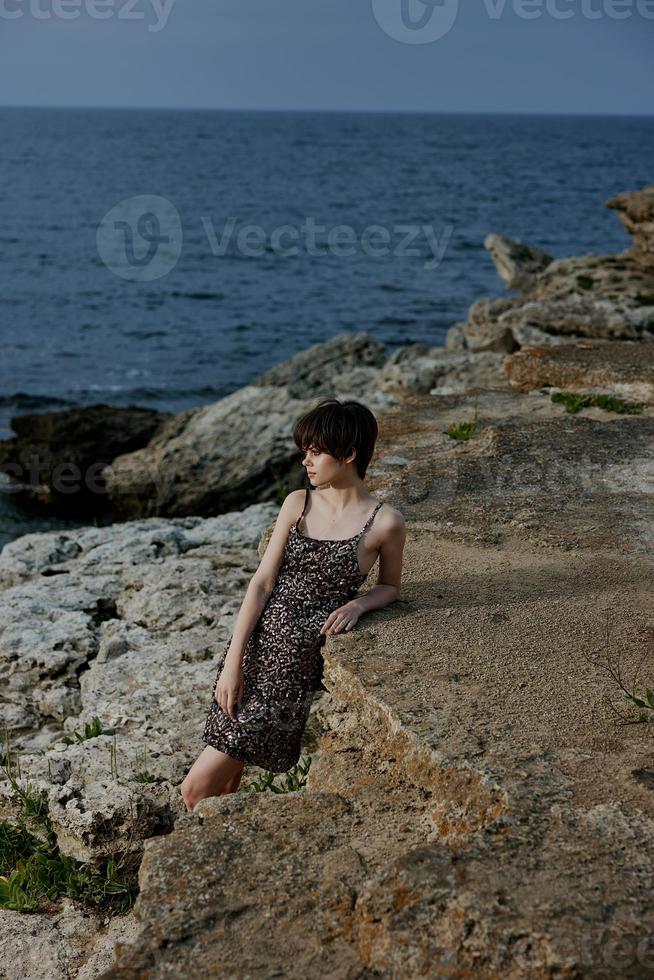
(121, 623)
(517, 264)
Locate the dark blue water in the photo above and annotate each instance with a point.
(74, 332)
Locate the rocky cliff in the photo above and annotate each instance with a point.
(481, 795)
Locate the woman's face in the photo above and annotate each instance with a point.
(320, 466)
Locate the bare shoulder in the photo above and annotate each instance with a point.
(289, 511)
(294, 497)
(389, 543)
(391, 521)
(391, 515)
(293, 503)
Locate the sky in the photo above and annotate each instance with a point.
(533, 56)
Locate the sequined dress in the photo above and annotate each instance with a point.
(282, 663)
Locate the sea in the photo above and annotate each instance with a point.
(166, 258)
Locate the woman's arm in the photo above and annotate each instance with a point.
(263, 581)
(389, 578)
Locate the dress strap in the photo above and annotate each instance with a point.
(306, 501)
(370, 519)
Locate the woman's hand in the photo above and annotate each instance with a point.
(229, 689)
(343, 618)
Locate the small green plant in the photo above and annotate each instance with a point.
(570, 400)
(463, 430)
(292, 780)
(648, 704)
(644, 299)
(34, 871)
(585, 282)
(611, 404)
(575, 401)
(613, 666)
(92, 729)
(113, 758)
(144, 776)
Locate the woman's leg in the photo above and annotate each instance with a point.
(232, 785)
(212, 773)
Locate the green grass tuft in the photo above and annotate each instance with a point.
(574, 401)
(292, 780)
(92, 729)
(35, 872)
(462, 430)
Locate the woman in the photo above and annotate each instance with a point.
(323, 546)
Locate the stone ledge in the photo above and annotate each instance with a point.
(624, 369)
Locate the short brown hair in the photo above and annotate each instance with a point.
(337, 428)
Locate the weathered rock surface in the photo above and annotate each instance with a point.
(606, 297)
(121, 623)
(210, 460)
(516, 263)
(623, 369)
(636, 212)
(344, 363)
(484, 329)
(601, 296)
(70, 943)
(575, 318)
(55, 459)
(415, 370)
(618, 279)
